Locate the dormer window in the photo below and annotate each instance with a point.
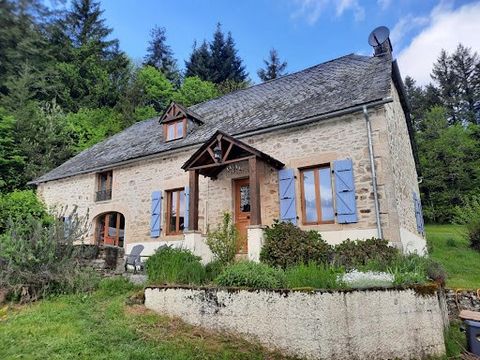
(176, 121)
(175, 129)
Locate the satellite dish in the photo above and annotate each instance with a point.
(378, 36)
(379, 40)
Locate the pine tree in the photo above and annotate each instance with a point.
(160, 55)
(93, 69)
(274, 67)
(443, 74)
(225, 63)
(464, 67)
(199, 62)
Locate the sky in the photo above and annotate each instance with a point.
(304, 32)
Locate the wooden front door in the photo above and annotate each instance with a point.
(242, 211)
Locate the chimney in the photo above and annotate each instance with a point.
(380, 41)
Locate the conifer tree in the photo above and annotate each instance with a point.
(199, 62)
(274, 67)
(160, 55)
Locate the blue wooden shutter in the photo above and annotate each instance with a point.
(156, 216)
(345, 201)
(187, 208)
(418, 212)
(67, 226)
(286, 190)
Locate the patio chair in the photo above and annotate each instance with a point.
(134, 258)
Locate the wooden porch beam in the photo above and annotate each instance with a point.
(207, 166)
(255, 213)
(193, 200)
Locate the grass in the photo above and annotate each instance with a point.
(101, 326)
(449, 246)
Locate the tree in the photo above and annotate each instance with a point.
(194, 90)
(442, 73)
(199, 62)
(11, 160)
(160, 55)
(157, 90)
(92, 68)
(90, 126)
(225, 64)
(450, 164)
(465, 67)
(217, 61)
(421, 99)
(44, 138)
(274, 67)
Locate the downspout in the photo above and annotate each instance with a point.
(374, 174)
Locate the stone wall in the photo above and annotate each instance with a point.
(301, 146)
(458, 300)
(401, 177)
(368, 324)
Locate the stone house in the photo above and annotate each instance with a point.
(329, 148)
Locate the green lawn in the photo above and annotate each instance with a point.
(101, 326)
(450, 247)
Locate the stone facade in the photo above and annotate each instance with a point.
(363, 324)
(317, 143)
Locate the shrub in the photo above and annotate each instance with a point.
(17, 205)
(253, 275)
(223, 242)
(469, 215)
(213, 269)
(175, 266)
(39, 260)
(317, 276)
(353, 254)
(286, 245)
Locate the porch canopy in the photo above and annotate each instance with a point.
(215, 155)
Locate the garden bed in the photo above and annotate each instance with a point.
(359, 324)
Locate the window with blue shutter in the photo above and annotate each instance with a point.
(345, 201)
(156, 217)
(286, 190)
(187, 208)
(418, 213)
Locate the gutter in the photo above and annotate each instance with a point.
(240, 135)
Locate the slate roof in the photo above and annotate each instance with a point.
(334, 85)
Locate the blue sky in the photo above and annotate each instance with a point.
(305, 32)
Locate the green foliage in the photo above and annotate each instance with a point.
(115, 286)
(274, 67)
(18, 205)
(218, 61)
(223, 241)
(352, 254)
(253, 275)
(469, 215)
(455, 340)
(160, 55)
(450, 165)
(194, 91)
(157, 89)
(213, 269)
(317, 276)
(11, 160)
(174, 266)
(91, 126)
(286, 245)
(39, 259)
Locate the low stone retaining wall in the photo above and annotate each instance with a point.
(458, 300)
(361, 324)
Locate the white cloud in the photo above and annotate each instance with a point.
(384, 4)
(311, 10)
(446, 27)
